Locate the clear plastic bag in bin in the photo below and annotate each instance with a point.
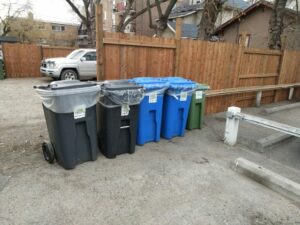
(67, 96)
(123, 94)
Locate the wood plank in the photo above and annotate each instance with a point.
(110, 41)
(247, 76)
(262, 51)
(230, 91)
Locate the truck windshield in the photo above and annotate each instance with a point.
(75, 54)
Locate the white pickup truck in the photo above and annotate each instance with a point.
(78, 65)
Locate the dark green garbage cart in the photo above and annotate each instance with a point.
(2, 72)
(197, 108)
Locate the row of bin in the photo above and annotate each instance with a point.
(116, 115)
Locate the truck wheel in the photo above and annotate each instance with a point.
(69, 75)
(48, 152)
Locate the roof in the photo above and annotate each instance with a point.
(186, 10)
(188, 30)
(66, 23)
(261, 3)
(8, 39)
(59, 22)
(237, 4)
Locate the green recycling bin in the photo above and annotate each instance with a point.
(2, 74)
(197, 108)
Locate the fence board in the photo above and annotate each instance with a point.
(50, 52)
(290, 73)
(22, 60)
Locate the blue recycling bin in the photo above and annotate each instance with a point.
(151, 108)
(177, 102)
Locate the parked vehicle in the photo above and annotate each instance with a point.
(1, 55)
(78, 65)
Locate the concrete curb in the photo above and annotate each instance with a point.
(264, 143)
(282, 107)
(280, 184)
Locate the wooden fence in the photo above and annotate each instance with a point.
(24, 60)
(220, 65)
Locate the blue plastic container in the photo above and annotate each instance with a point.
(177, 102)
(151, 108)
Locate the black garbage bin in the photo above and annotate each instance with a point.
(70, 113)
(117, 112)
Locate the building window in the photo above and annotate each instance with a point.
(247, 40)
(90, 56)
(41, 26)
(59, 28)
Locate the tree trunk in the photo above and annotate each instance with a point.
(162, 24)
(128, 8)
(209, 18)
(276, 24)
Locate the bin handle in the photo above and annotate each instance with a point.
(124, 127)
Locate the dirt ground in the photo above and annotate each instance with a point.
(188, 180)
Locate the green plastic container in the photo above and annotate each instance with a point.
(197, 108)
(2, 74)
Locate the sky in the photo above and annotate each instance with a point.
(53, 10)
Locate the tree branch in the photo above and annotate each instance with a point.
(127, 12)
(150, 15)
(158, 8)
(170, 7)
(141, 12)
(76, 10)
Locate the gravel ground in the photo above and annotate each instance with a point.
(187, 180)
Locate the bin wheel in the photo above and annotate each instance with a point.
(48, 152)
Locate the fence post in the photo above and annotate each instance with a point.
(99, 41)
(280, 74)
(178, 44)
(237, 65)
(42, 52)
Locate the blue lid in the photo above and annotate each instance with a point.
(172, 79)
(183, 86)
(150, 83)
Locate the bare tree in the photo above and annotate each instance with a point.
(276, 24)
(86, 13)
(25, 29)
(129, 6)
(11, 10)
(210, 14)
(162, 19)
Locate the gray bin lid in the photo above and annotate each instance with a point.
(67, 84)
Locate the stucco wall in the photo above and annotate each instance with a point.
(168, 33)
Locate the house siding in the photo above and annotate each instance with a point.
(256, 23)
(60, 38)
(168, 33)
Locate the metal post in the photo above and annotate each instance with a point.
(258, 98)
(291, 93)
(232, 126)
